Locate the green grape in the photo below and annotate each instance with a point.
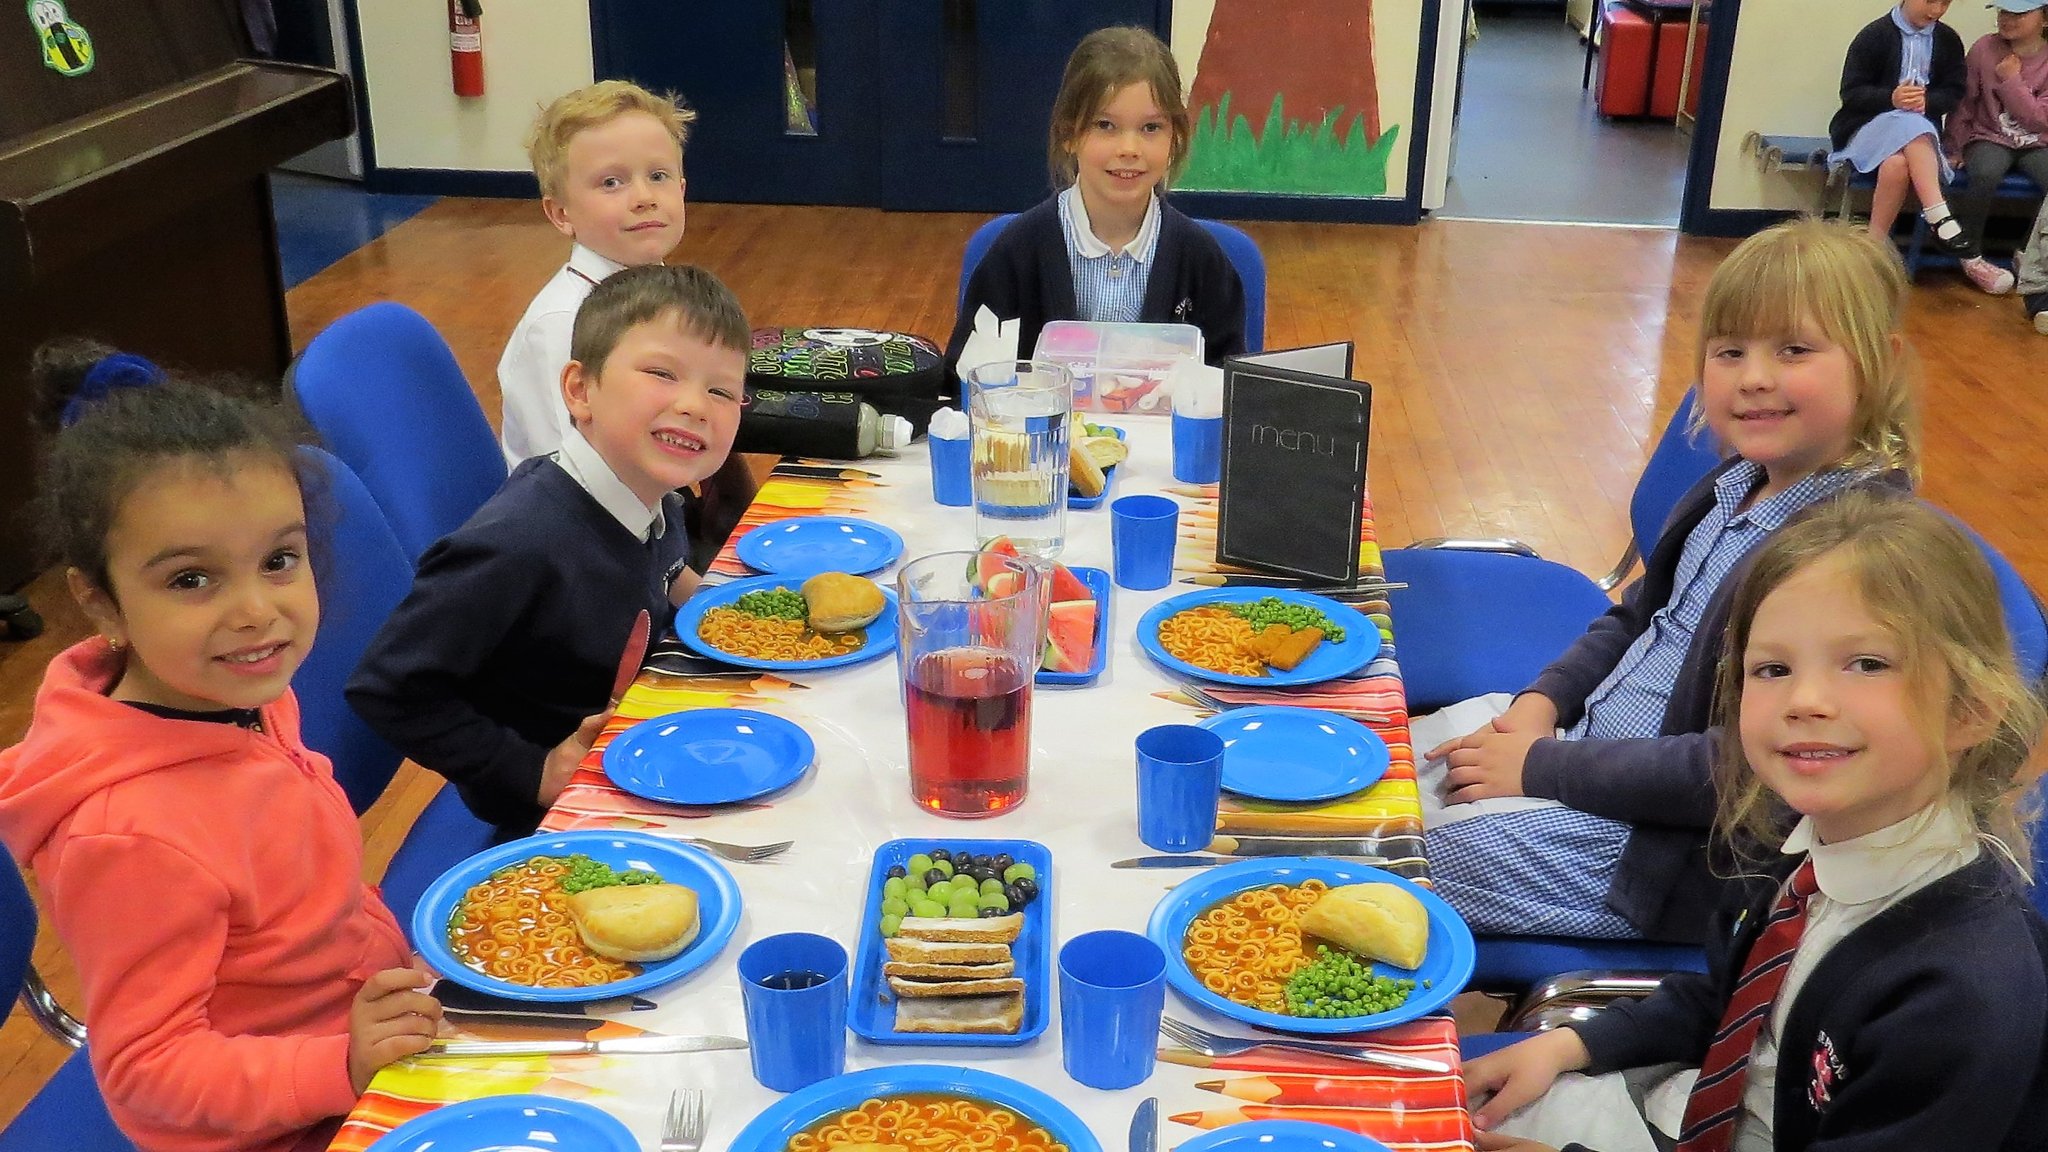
(930, 909)
(995, 900)
(1017, 871)
(991, 885)
(895, 906)
(890, 924)
(895, 886)
(945, 866)
(918, 865)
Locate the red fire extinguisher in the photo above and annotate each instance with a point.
(466, 46)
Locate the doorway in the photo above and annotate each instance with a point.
(1535, 141)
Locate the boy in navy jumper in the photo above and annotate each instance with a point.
(495, 670)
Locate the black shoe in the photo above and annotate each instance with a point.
(17, 620)
(1960, 246)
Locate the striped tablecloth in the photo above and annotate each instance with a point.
(1082, 806)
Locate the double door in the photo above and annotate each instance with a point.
(917, 105)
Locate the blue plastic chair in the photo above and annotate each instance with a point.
(67, 1112)
(385, 393)
(1242, 251)
(363, 576)
(1480, 616)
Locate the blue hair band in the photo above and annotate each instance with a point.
(111, 374)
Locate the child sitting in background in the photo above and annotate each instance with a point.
(1877, 978)
(198, 861)
(1108, 248)
(1601, 830)
(2002, 122)
(496, 668)
(2032, 268)
(609, 158)
(1902, 74)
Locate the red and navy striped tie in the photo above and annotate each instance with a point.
(1716, 1101)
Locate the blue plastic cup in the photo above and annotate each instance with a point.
(952, 478)
(1197, 449)
(1141, 535)
(1112, 990)
(794, 987)
(1180, 778)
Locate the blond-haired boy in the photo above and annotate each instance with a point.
(609, 158)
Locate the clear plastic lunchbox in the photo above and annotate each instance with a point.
(1123, 368)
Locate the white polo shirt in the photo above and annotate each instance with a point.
(530, 372)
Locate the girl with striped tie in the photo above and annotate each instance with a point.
(1877, 978)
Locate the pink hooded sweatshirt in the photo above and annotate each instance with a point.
(206, 879)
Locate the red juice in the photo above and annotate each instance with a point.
(970, 731)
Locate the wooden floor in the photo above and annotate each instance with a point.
(1520, 373)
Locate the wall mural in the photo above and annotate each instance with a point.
(1303, 97)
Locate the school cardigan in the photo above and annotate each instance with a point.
(207, 880)
(1663, 786)
(1025, 276)
(2024, 97)
(1870, 72)
(510, 636)
(1924, 1028)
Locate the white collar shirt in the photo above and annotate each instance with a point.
(534, 420)
(593, 475)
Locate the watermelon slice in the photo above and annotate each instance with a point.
(989, 564)
(1070, 637)
(1066, 586)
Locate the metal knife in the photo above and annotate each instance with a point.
(1200, 861)
(1145, 1126)
(628, 1045)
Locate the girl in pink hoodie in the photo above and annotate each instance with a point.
(199, 862)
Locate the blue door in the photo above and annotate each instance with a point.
(916, 105)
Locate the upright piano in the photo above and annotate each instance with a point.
(136, 141)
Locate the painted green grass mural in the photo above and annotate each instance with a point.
(1303, 159)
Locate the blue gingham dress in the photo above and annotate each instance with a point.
(1888, 134)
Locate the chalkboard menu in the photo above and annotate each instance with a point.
(1293, 485)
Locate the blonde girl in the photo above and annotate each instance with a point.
(1107, 246)
(1581, 807)
(1877, 976)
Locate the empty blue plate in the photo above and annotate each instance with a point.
(1274, 752)
(709, 756)
(1281, 1136)
(809, 545)
(510, 1124)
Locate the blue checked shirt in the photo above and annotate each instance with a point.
(1630, 703)
(1916, 50)
(1109, 287)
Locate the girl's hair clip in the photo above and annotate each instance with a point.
(110, 374)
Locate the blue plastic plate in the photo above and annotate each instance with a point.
(881, 634)
(510, 1124)
(1075, 500)
(807, 545)
(1281, 1136)
(871, 1010)
(709, 756)
(718, 908)
(1444, 971)
(771, 1130)
(1330, 660)
(1274, 752)
(1098, 586)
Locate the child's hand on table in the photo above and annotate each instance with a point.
(1501, 1083)
(389, 1020)
(1530, 712)
(561, 763)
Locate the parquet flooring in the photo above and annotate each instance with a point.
(1520, 374)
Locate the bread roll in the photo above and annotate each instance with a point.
(1380, 921)
(637, 922)
(842, 603)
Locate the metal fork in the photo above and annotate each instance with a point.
(1211, 1044)
(1206, 700)
(683, 1130)
(744, 853)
